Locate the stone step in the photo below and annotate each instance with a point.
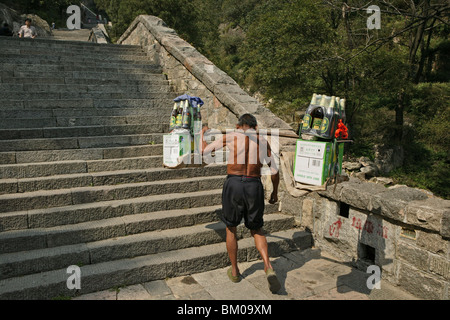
(88, 212)
(107, 275)
(85, 103)
(64, 113)
(41, 238)
(163, 87)
(61, 59)
(115, 62)
(128, 117)
(83, 131)
(45, 169)
(85, 75)
(8, 79)
(70, 50)
(127, 246)
(19, 95)
(74, 67)
(58, 44)
(65, 197)
(67, 181)
(67, 52)
(80, 142)
(21, 157)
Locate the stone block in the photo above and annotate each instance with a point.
(420, 283)
(52, 183)
(440, 265)
(427, 213)
(7, 157)
(432, 242)
(413, 255)
(41, 199)
(158, 288)
(307, 213)
(445, 228)
(8, 186)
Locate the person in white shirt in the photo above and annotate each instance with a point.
(27, 30)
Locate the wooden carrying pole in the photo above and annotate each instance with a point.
(284, 134)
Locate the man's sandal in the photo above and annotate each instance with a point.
(274, 284)
(234, 279)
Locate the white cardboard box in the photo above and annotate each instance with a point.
(174, 146)
(314, 161)
(311, 162)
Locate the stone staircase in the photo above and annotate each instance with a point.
(82, 181)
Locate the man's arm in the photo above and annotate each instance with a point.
(275, 182)
(275, 174)
(216, 145)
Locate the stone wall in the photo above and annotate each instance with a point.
(402, 230)
(190, 72)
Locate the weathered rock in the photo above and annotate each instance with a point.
(365, 161)
(388, 159)
(421, 283)
(382, 180)
(360, 175)
(445, 228)
(393, 201)
(16, 20)
(351, 166)
(369, 171)
(428, 213)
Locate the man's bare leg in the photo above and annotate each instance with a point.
(261, 245)
(232, 248)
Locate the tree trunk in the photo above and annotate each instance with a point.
(399, 109)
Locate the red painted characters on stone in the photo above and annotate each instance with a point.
(369, 227)
(335, 227)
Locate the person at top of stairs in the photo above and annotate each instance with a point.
(27, 30)
(243, 192)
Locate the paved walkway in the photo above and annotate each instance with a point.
(309, 274)
(71, 35)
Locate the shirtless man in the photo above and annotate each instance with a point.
(243, 193)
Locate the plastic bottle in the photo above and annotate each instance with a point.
(343, 116)
(196, 130)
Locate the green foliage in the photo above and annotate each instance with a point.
(395, 79)
(425, 168)
(178, 14)
(430, 109)
(49, 10)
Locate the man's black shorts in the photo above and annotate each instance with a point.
(243, 197)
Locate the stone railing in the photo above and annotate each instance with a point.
(99, 34)
(190, 72)
(404, 231)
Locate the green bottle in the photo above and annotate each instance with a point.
(179, 118)
(173, 117)
(186, 116)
